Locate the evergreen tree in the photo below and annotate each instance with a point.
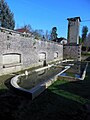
(84, 33)
(88, 37)
(6, 16)
(54, 33)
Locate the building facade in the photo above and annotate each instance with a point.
(18, 52)
(72, 50)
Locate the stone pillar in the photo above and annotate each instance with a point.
(73, 30)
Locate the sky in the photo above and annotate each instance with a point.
(46, 14)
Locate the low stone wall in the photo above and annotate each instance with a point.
(67, 78)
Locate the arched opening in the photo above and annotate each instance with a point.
(42, 58)
(55, 55)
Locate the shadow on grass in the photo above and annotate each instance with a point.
(59, 102)
(87, 59)
(47, 106)
(9, 101)
(80, 88)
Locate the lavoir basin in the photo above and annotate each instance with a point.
(38, 80)
(76, 70)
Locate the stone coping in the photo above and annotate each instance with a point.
(84, 73)
(9, 31)
(43, 68)
(11, 65)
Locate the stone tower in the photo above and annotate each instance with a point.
(73, 30)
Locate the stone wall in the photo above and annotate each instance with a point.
(72, 52)
(73, 30)
(18, 51)
(68, 78)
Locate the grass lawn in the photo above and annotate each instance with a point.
(86, 54)
(61, 101)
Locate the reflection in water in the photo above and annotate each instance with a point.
(36, 78)
(75, 71)
(42, 72)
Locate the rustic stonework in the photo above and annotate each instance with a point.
(28, 48)
(72, 52)
(73, 30)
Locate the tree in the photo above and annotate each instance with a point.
(28, 27)
(88, 42)
(88, 37)
(80, 39)
(84, 33)
(38, 33)
(6, 16)
(47, 35)
(54, 33)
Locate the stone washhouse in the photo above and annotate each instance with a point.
(19, 51)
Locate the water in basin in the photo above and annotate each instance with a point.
(75, 70)
(35, 78)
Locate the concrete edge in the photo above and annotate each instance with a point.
(84, 73)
